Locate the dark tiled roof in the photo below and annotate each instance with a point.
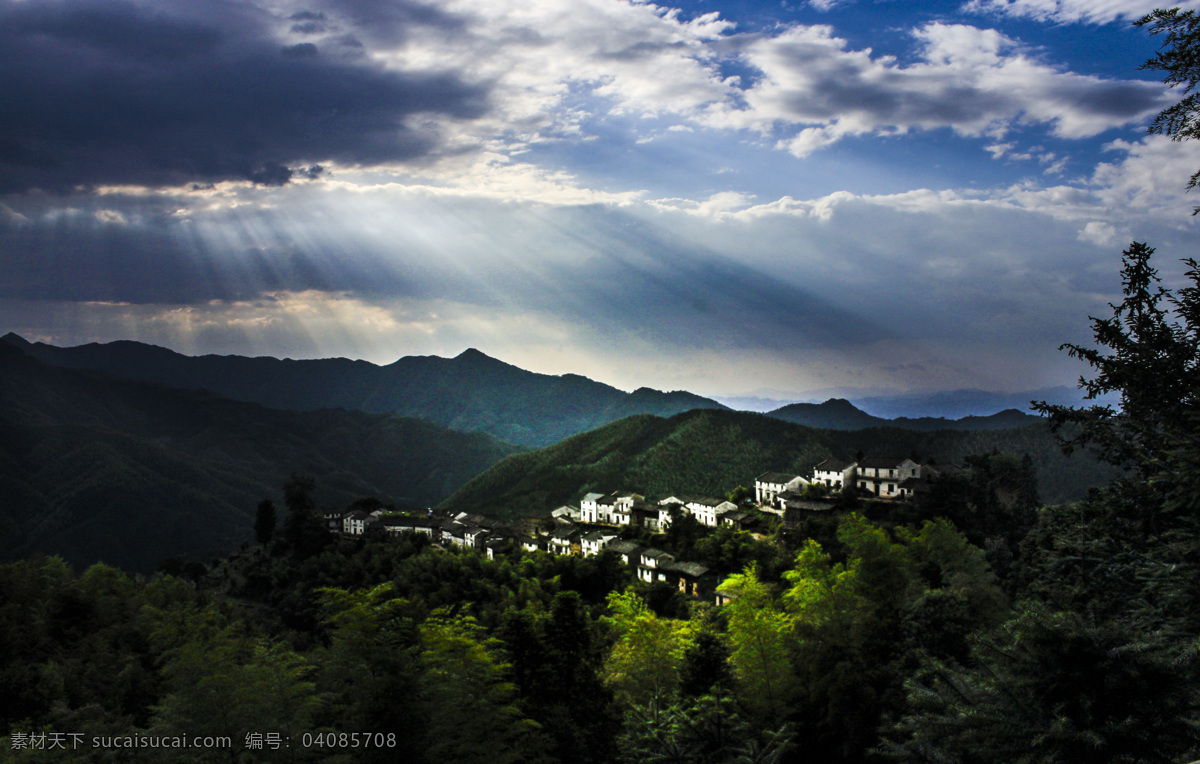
(625, 547)
(706, 501)
(775, 477)
(693, 569)
(834, 465)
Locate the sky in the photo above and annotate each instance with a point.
(805, 197)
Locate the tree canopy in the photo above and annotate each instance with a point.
(1179, 57)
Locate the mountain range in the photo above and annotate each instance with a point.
(471, 392)
(841, 414)
(98, 468)
(130, 453)
(712, 452)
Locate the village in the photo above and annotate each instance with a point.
(601, 519)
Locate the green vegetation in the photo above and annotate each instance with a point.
(97, 468)
(714, 452)
(978, 626)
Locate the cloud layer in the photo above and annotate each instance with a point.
(1072, 11)
(614, 188)
(105, 91)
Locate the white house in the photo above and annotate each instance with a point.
(835, 473)
(615, 508)
(355, 523)
(882, 475)
(589, 512)
(395, 525)
(652, 564)
(564, 541)
(707, 510)
(568, 514)
(770, 484)
(592, 543)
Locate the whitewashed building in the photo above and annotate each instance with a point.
(770, 484)
(707, 510)
(651, 566)
(835, 473)
(615, 508)
(882, 475)
(593, 543)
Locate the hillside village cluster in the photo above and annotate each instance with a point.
(594, 526)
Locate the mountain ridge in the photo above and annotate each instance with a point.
(95, 467)
(472, 392)
(707, 451)
(841, 414)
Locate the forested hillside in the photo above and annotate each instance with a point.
(993, 631)
(714, 452)
(97, 468)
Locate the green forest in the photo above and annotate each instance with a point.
(983, 626)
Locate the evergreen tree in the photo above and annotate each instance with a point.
(1152, 363)
(303, 529)
(1179, 57)
(1101, 663)
(264, 521)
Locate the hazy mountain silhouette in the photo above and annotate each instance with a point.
(471, 392)
(840, 414)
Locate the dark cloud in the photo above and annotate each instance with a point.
(105, 92)
(301, 50)
(391, 21)
(1117, 100)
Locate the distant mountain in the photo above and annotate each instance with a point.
(712, 452)
(756, 403)
(94, 467)
(840, 414)
(961, 403)
(470, 393)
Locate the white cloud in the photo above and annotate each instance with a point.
(114, 217)
(974, 81)
(998, 150)
(1101, 233)
(825, 5)
(9, 215)
(1072, 11)
(553, 66)
(539, 56)
(717, 205)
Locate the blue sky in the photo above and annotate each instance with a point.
(809, 196)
